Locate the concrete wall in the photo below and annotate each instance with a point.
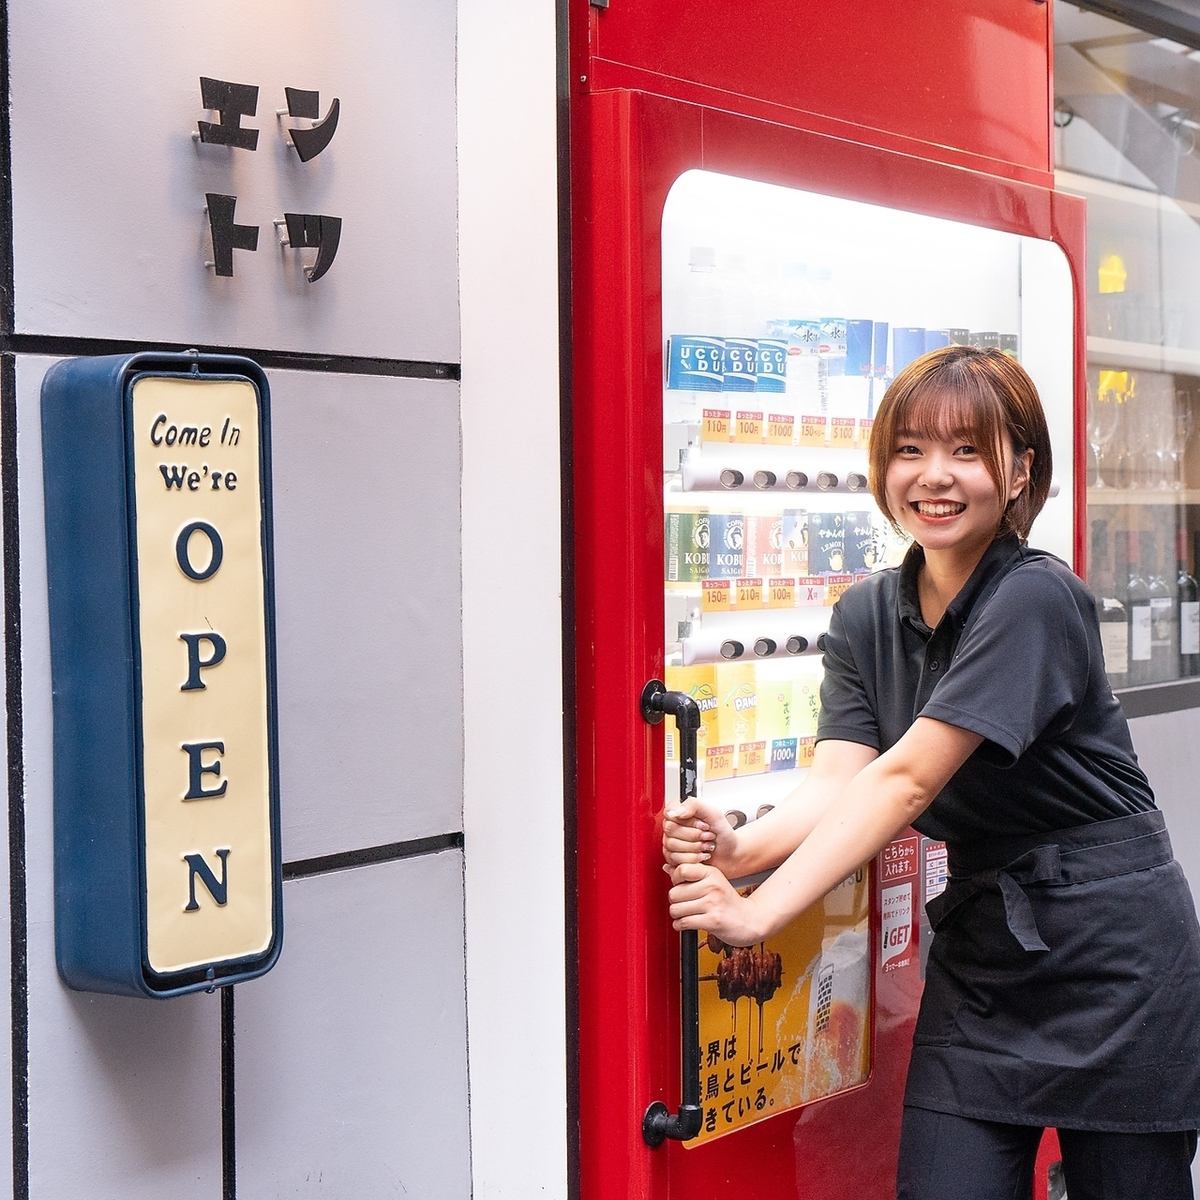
(344, 1071)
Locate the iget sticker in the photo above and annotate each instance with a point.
(896, 938)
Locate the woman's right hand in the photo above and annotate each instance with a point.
(698, 832)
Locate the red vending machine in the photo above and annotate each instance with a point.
(772, 213)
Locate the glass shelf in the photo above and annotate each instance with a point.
(1112, 352)
(1116, 497)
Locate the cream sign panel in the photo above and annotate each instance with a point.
(202, 643)
(184, 597)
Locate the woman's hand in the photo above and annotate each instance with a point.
(698, 832)
(703, 898)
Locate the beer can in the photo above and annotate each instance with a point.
(908, 343)
(794, 542)
(859, 542)
(687, 546)
(826, 543)
(726, 546)
(763, 544)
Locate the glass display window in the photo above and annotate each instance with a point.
(785, 316)
(1127, 117)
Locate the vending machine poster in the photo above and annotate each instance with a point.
(896, 932)
(898, 860)
(785, 1022)
(937, 870)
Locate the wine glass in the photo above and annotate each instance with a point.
(1182, 428)
(1104, 416)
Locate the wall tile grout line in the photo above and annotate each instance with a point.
(371, 855)
(228, 1099)
(19, 966)
(282, 360)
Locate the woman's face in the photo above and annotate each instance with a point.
(941, 494)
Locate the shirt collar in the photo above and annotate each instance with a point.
(995, 561)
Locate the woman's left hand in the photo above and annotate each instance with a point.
(703, 898)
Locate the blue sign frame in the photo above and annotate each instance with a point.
(99, 806)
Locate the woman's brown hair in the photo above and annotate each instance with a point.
(976, 394)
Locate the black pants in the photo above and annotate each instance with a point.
(944, 1157)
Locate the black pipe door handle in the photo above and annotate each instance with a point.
(659, 1122)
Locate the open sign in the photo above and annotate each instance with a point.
(166, 807)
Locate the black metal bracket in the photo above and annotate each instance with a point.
(658, 1122)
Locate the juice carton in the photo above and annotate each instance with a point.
(699, 682)
(737, 712)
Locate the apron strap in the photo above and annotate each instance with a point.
(1038, 865)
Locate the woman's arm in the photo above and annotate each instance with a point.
(884, 797)
(697, 831)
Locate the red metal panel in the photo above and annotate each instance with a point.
(968, 77)
(628, 150)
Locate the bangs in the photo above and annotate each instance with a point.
(964, 411)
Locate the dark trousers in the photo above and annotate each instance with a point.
(944, 1157)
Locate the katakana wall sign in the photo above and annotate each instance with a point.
(158, 537)
(297, 231)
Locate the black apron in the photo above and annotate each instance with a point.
(1063, 985)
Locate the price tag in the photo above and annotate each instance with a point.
(843, 432)
(716, 595)
(804, 751)
(749, 593)
(813, 430)
(748, 427)
(810, 591)
(752, 758)
(715, 426)
(718, 762)
(865, 425)
(781, 593)
(781, 429)
(836, 586)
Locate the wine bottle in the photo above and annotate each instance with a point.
(1188, 594)
(1164, 634)
(1137, 605)
(1114, 620)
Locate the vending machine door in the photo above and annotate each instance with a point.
(743, 294)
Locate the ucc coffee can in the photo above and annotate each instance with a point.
(695, 363)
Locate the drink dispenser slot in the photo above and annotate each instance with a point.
(811, 471)
(659, 1122)
(787, 637)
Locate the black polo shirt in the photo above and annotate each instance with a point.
(1017, 659)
